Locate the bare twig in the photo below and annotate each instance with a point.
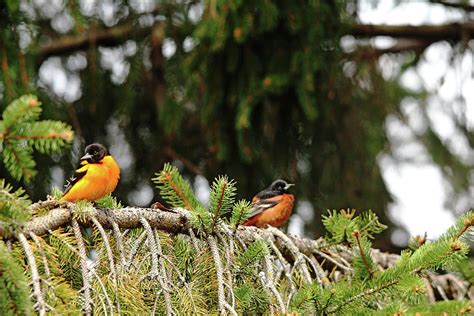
(329, 258)
(119, 243)
(299, 260)
(43, 254)
(135, 248)
(220, 279)
(104, 291)
(41, 305)
(229, 252)
(264, 283)
(268, 266)
(108, 249)
(183, 280)
(86, 286)
(155, 269)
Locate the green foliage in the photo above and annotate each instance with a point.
(368, 290)
(341, 225)
(248, 260)
(362, 262)
(439, 308)
(83, 209)
(108, 201)
(14, 290)
(66, 262)
(21, 132)
(13, 204)
(251, 299)
(222, 197)
(240, 212)
(56, 193)
(305, 299)
(177, 191)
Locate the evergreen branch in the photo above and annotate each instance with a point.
(178, 192)
(18, 161)
(333, 291)
(174, 189)
(222, 198)
(64, 136)
(361, 295)
(15, 295)
(240, 212)
(21, 132)
(356, 235)
(468, 222)
(13, 205)
(26, 108)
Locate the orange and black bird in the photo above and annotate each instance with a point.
(272, 206)
(96, 176)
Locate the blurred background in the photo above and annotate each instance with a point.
(363, 104)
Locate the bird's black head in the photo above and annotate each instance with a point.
(281, 186)
(95, 153)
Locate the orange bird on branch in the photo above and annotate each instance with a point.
(272, 206)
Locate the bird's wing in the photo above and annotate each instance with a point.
(78, 175)
(260, 205)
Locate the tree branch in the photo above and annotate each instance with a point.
(431, 33)
(464, 5)
(422, 35)
(178, 222)
(402, 45)
(102, 37)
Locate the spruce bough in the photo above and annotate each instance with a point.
(208, 263)
(199, 259)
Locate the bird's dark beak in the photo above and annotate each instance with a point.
(289, 185)
(86, 157)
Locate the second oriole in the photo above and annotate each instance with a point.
(96, 176)
(272, 206)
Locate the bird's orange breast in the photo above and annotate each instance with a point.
(100, 179)
(276, 215)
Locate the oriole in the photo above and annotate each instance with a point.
(96, 176)
(272, 206)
